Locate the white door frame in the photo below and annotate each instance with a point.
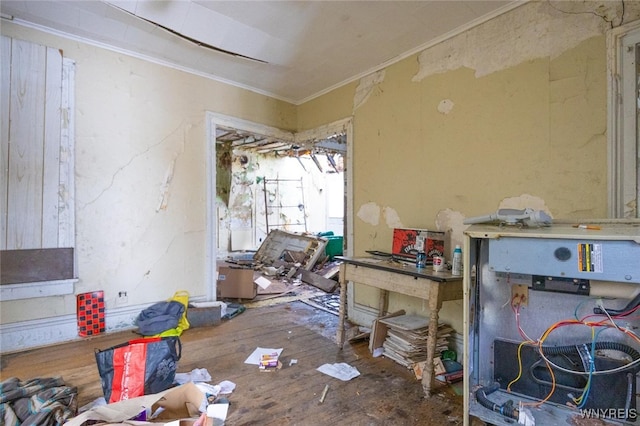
(622, 123)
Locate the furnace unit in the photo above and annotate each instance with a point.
(552, 319)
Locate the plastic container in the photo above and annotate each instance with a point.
(456, 267)
(334, 246)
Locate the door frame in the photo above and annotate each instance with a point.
(215, 120)
(623, 150)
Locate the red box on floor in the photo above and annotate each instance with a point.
(407, 242)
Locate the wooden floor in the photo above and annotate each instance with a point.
(385, 393)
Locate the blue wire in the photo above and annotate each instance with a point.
(579, 305)
(585, 393)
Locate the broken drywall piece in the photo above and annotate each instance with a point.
(369, 213)
(535, 30)
(279, 241)
(392, 218)
(366, 87)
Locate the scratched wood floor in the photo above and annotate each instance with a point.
(385, 393)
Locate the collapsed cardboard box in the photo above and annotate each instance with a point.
(235, 283)
(180, 403)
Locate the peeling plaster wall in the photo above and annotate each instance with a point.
(512, 113)
(140, 174)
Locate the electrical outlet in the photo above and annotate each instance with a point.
(122, 298)
(520, 294)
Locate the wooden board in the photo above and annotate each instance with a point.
(406, 322)
(27, 266)
(319, 281)
(379, 330)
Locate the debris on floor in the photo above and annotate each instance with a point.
(339, 370)
(283, 261)
(258, 353)
(39, 401)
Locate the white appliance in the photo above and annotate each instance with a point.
(551, 322)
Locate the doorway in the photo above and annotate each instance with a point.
(261, 178)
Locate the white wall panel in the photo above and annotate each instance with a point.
(26, 144)
(51, 136)
(5, 75)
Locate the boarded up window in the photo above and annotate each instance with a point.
(36, 151)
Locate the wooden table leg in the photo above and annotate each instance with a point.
(432, 340)
(383, 302)
(343, 306)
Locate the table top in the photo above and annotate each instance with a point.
(400, 268)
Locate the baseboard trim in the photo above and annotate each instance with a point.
(32, 334)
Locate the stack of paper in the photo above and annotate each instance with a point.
(407, 336)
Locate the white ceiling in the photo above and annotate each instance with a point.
(291, 50)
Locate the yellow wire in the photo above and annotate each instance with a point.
(519, 366)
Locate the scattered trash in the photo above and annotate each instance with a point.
(269, 362)
(262, 282)
(196, 375)
(340, 371)
(256, 356)
(226, 387)
(98, 402)
(324, 393)
(378, 352)
(218, 411)
(233, 310)
(293, 362)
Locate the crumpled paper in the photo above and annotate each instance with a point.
(341, 370)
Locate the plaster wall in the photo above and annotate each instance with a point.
(140, 174)
(512, 113)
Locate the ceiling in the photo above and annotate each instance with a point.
(238, 139)
(290, 50)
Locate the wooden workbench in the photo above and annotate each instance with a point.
(386, 275)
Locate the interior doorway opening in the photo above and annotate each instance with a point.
(269, 179)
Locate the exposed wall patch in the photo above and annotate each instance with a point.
(534, 30)
(369, 213)
(524, 201)
(392, 218)
(445, 106)
(164, 188)
(366, 87)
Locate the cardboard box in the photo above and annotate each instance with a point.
(235, 283)
(181, 402)
(407, 242)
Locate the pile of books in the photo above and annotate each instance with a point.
(269, 362)
(406, 339)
